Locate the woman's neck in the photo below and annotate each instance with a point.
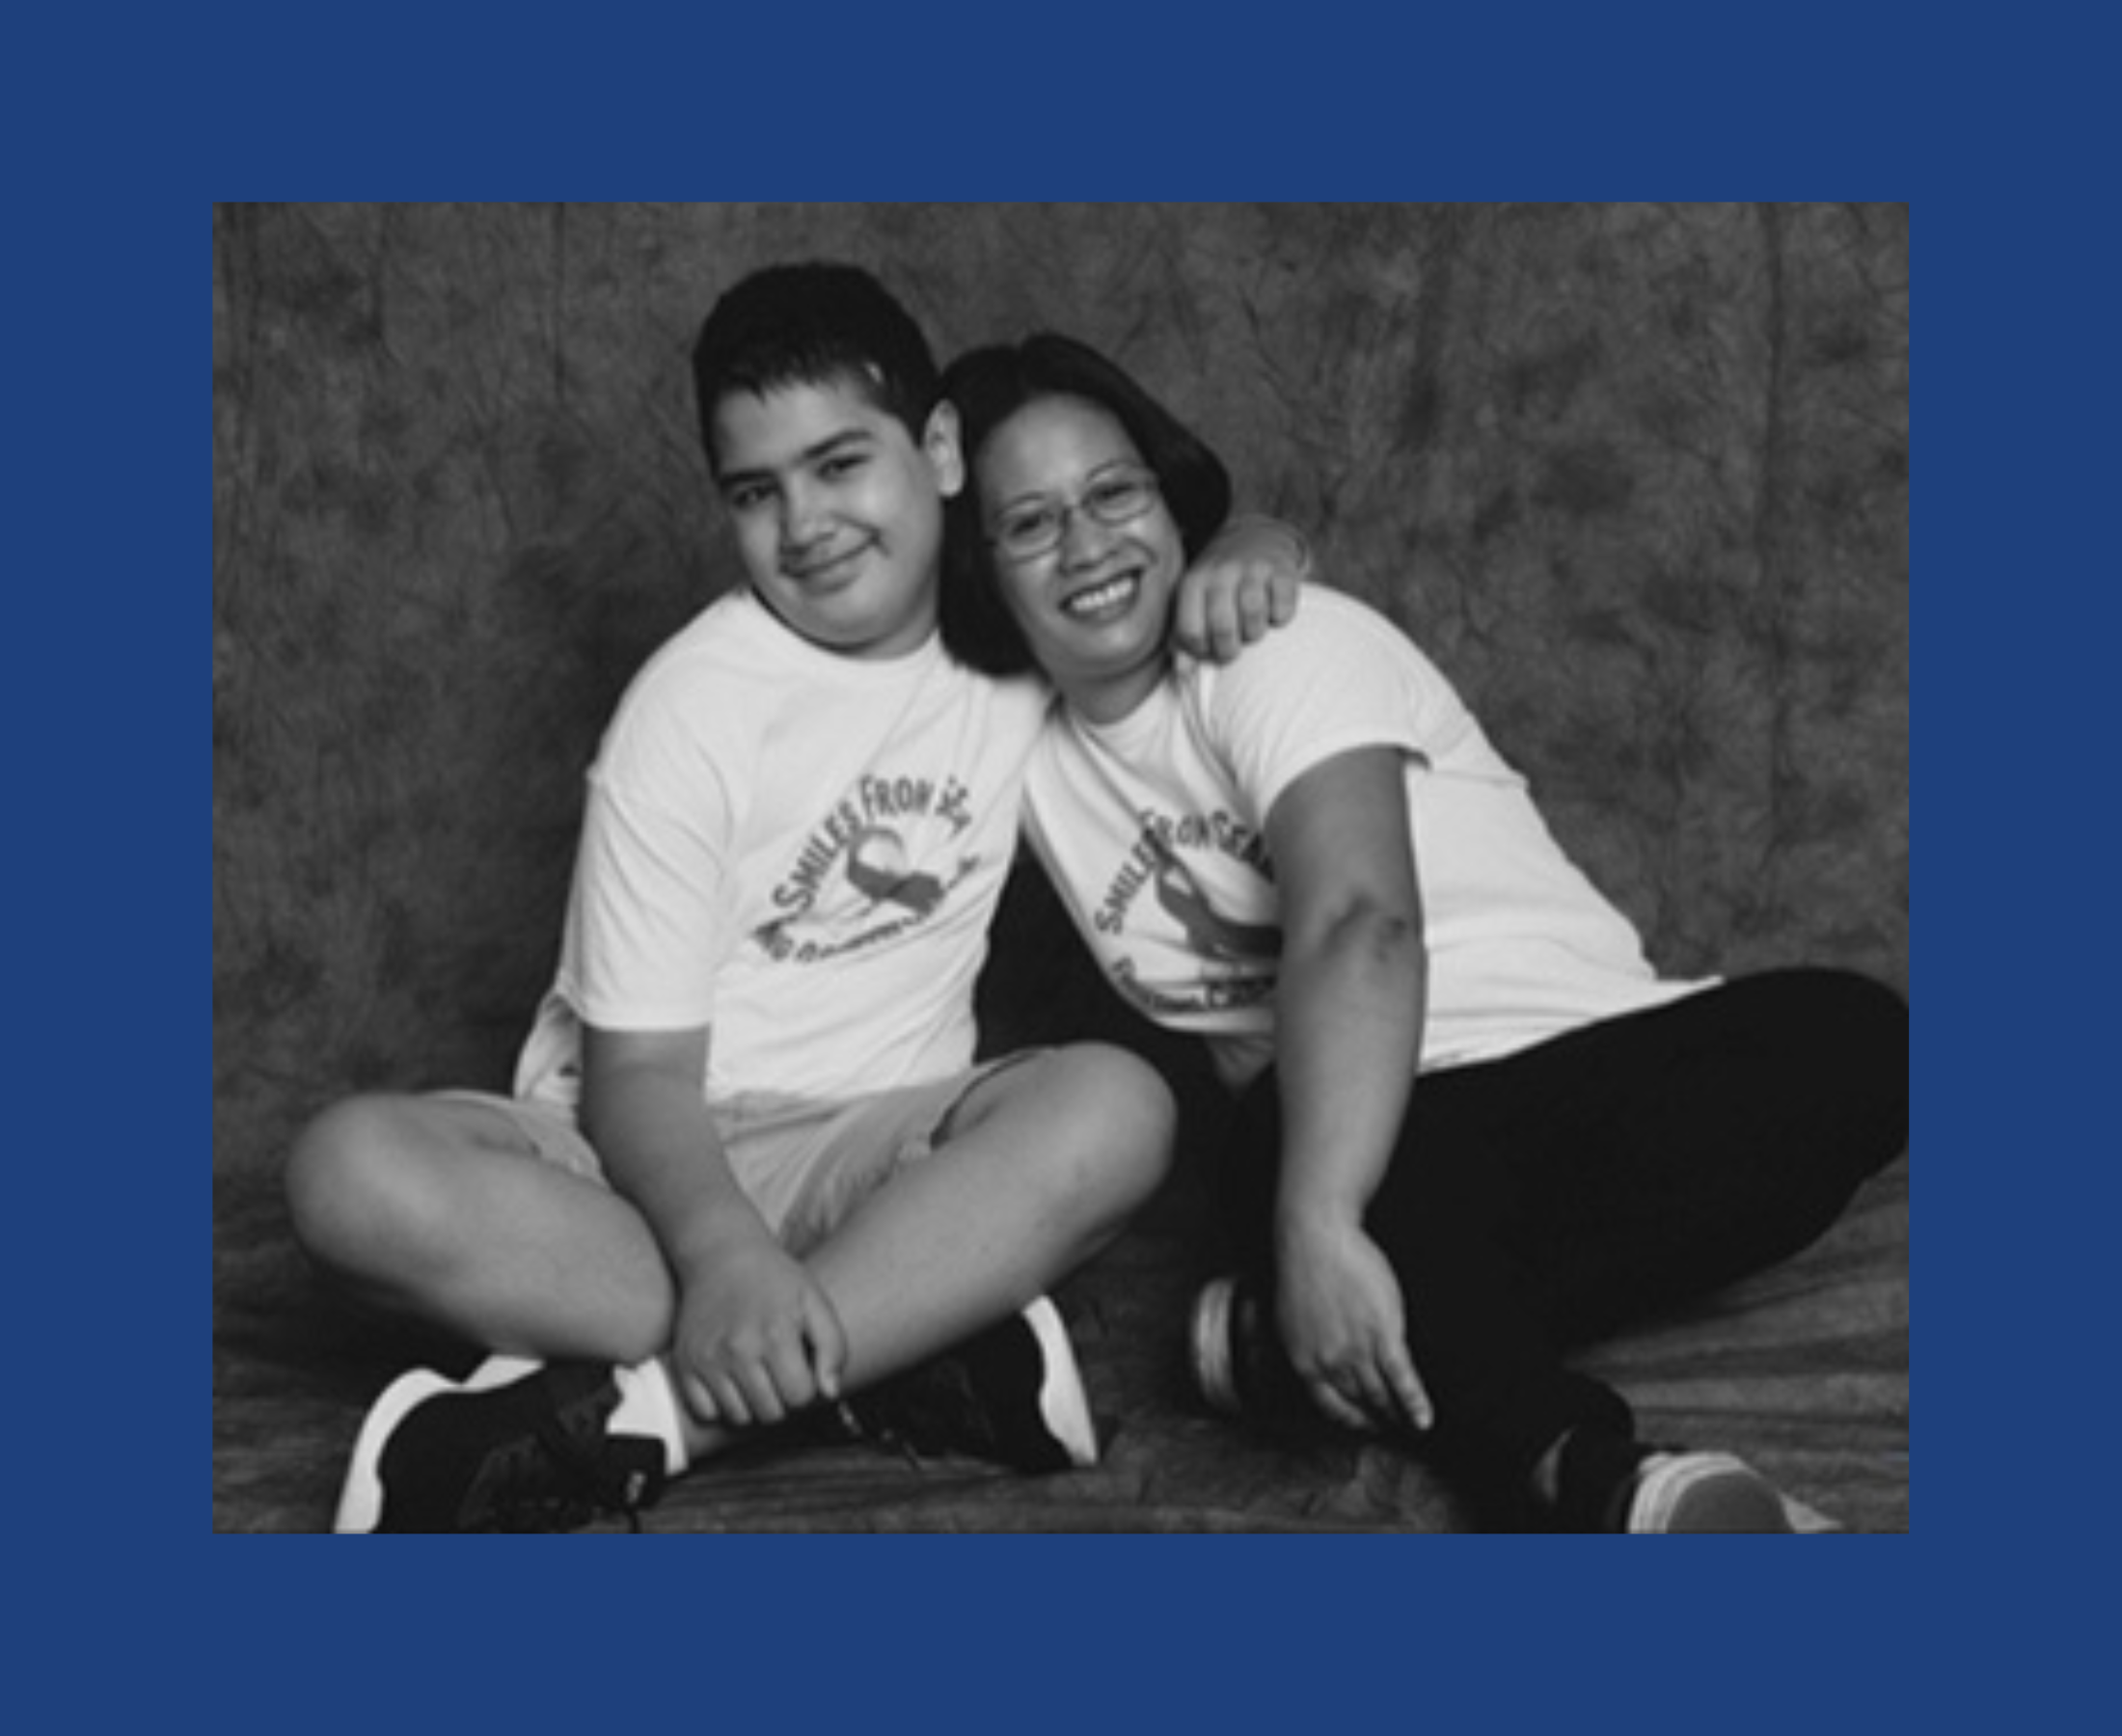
(1113, 699)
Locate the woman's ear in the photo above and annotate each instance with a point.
(941, 440)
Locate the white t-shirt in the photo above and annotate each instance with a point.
(798, 850)
(1155, 831)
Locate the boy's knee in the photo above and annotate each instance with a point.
(1125, 1100)
(1108, 1121)
(352, 1186)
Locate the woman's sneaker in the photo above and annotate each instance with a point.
(1679, 1492)
(1013, 1394)
(1239, 1363)
(518, 1447)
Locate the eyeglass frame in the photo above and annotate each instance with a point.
(1142, 477)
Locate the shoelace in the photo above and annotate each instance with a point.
(879, 1435)
(558, 1481)
(934, 1408)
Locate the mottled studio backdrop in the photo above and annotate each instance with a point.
(1635, 474)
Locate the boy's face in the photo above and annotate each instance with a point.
(838, 512)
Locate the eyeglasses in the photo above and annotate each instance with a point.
(1026, 531)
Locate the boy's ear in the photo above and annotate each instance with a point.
(940, 440)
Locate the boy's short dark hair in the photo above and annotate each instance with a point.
(988, 387)
(813, 324)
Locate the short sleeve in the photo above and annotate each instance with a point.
(652, 900)
(1338, 678)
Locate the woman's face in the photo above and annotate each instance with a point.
(1095, 604)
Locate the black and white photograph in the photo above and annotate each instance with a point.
(1093, 868)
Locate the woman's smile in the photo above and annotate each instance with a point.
(1107, 601)
(1095, 607)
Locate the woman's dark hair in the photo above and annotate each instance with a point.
(989, 386)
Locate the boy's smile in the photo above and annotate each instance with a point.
(838, 512)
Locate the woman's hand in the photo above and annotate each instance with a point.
(757, 1340)
(1343, 1324)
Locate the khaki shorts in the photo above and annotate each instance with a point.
(806, 1166)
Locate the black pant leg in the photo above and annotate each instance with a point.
(1547, 1198)
(1706, 1140)
(1501, 1390)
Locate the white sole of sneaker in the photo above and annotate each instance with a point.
(1807, 1521)
(1214, 1378)
(1062, 1401)
(360, 1500)
(1664, 1485)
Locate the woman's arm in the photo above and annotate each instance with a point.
(1351, 1006)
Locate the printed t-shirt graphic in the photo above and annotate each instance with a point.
(1172, 947)
(883, 858)
(797, 851)
(1153, 828)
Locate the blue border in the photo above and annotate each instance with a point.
(1010, 1633)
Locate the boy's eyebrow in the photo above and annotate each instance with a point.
(817, 451)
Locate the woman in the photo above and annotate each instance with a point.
(1475, 1125)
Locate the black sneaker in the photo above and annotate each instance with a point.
(519, 1447)
(1013, 1394)
(1239, 1363)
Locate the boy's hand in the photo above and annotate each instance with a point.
(1247, 580)
(757, 1340)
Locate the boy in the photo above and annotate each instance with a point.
(749, 1169)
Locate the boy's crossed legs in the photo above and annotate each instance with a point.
(926, 1216)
